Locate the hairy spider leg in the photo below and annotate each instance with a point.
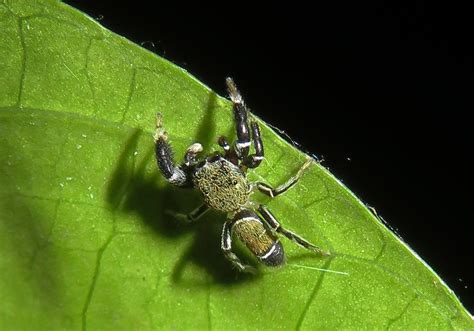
(273, 192)
(254, 160)
(177, 175)
(229, 152)
(164, 156)
(190, 157)
(275, 225)
(226, 246)
(242, 144)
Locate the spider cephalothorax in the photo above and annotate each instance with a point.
(222, 183)
(221, 178)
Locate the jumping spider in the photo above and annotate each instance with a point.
(221, 178)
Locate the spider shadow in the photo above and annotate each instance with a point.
(132, 190)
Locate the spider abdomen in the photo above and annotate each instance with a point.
(223, 185)
(259, 240)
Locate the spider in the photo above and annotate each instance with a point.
(222, 181)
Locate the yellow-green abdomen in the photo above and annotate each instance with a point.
(259, 240)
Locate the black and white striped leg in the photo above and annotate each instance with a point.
(275, 225)
(192, 216)
(273, 192)
(229, 152)
(254, 160)
(164, 156)
(226, 245)
(242, 145)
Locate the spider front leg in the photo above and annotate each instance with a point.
(175, 175)
(229, 152)
(226, 246)
(190, 158)
(273, 192)
(254, 160)
(242, 145)
(275, 225)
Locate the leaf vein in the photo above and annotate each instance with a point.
(46, 241)
(404, 310)
(131, 91)
(88, 75)
(313, 294)
(23, 62)
(401, 279)
(95, 276)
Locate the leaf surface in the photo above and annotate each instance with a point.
(85, 242)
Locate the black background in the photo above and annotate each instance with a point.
(382, 91)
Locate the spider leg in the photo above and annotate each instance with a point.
(242, 144)
(226, 246)
(229, 152)
(192, 216)
(275, 225)
(254, 160)
(273, 192)
(191, 154)
(175, 175)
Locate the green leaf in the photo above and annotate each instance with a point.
(85, 242)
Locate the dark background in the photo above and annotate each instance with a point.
(382, 91)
